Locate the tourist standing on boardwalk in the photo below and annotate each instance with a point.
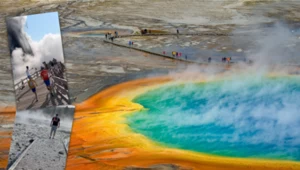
(185, 57)
(45, 77)
(209, 59)
(27, 72)
(55, 123)
(129, 43)
(32, 85)
(105, 36)
(177, 31)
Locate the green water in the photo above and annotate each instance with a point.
(244, 117)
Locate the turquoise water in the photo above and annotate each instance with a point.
(244, 117)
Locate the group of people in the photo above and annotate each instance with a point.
(45, 75)
(176, 54)
(226, 59)
(110, 36)
(130, 43)
(145, 31)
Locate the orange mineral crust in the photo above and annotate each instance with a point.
(101, 139)
(7, 116)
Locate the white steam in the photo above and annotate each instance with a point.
(49, 47)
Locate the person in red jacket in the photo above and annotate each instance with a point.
(45, 77)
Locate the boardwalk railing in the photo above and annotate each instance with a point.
(23, 82)
(182, 58)
(172, 34)
(61, 87)
(59, 83)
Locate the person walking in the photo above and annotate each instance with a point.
(45, 77)
(209, 59)
(106, 36)
(32, 85)
(55, 123)
(27, 72)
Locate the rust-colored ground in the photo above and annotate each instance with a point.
(7, 117)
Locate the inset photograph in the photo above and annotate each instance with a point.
(41, 138)
(37, 61)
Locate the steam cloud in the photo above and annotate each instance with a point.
(44, 116)
(26, 52)
(16, 35)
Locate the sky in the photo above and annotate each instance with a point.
(37, 26)
(43, 35)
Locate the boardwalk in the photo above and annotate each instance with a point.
(182, 58)
(175, 34)
(25, 98)
(43, 154)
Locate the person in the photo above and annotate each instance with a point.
(27, 71)
(112, 39)
(45, 77)
(129, 43)
(116, 33)
(186, 57)
(32, 85)
(55, 123)
(177, 31)
(173, 53)
(105, 36)
(23, 86)
(228, 59)
(209, 59)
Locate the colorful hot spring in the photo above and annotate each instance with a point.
(249, 117)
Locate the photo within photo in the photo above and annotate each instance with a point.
(37, 61)
(41, 138)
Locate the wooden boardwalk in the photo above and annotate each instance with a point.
(46, 154)
(184, 34)
(25, 98)
(182, 58)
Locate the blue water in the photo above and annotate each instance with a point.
(243, 117)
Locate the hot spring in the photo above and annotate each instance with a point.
(250, 117)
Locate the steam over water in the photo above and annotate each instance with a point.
(242, 117)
